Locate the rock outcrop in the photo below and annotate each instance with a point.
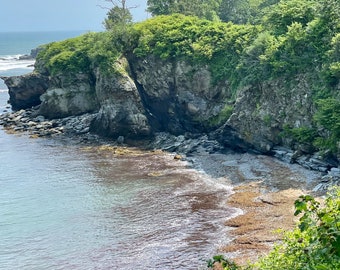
(69, 94)
(121, 110)
(141, 97)
(178, 96)
(25, 90)
(261, 112)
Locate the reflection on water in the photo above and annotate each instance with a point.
(68, 207)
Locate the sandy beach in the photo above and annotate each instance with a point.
(265, 190)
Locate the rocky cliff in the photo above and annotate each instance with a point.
(179, 97)
(142, 96)
(262, 111)
(120, 111)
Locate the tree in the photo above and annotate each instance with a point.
(118, 16)
(161, 7)
(282, 15)
(236, 11)
(207, 9)
(243, 11)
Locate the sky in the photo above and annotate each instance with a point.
(59, 15)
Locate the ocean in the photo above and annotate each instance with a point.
(16, 44)
(67, 206)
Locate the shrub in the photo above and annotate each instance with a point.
(78, 54)
(315, 243)
(304, 135)
(328, 117)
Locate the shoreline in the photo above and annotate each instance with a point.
(264, 187)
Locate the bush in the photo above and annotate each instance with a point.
(328, 117)
(314, 244)
(78, 54)
(282, 15)
(216, 44)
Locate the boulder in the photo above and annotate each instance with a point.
(25, 91)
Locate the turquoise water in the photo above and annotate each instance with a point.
(65, 206)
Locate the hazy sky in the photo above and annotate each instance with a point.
(46, 15)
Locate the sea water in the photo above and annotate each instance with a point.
(66, 206)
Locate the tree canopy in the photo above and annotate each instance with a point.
(207, 9)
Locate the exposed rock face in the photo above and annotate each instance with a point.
(25, 90)
(261, 112)
(155, 95)
(178, 96)
(69, 94)
(121, 110)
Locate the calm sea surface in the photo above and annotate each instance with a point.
(65, 206)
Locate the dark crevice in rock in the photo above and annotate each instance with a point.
(156, 121)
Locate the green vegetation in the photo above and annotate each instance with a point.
(328, 116)
(78, 55)
(222, 117)
(117, 18)
(198, 41)
(207, 9)
(303, 135)
(243, 42)
(314, 244)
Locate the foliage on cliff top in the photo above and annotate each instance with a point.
(293, 37)
(216, 44)
(78, 54)
(180, 36)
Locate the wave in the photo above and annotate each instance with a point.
(10, 57)
(9, 62)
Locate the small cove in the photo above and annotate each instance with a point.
(104, 206)
(65, 206)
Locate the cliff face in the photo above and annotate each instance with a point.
(120, 110)
(178, 97)
(146, 95)
(67, 95)
(261, 112)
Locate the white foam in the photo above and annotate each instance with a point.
(9, 62)
(10, 57)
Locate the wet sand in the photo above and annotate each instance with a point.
(265, 190)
